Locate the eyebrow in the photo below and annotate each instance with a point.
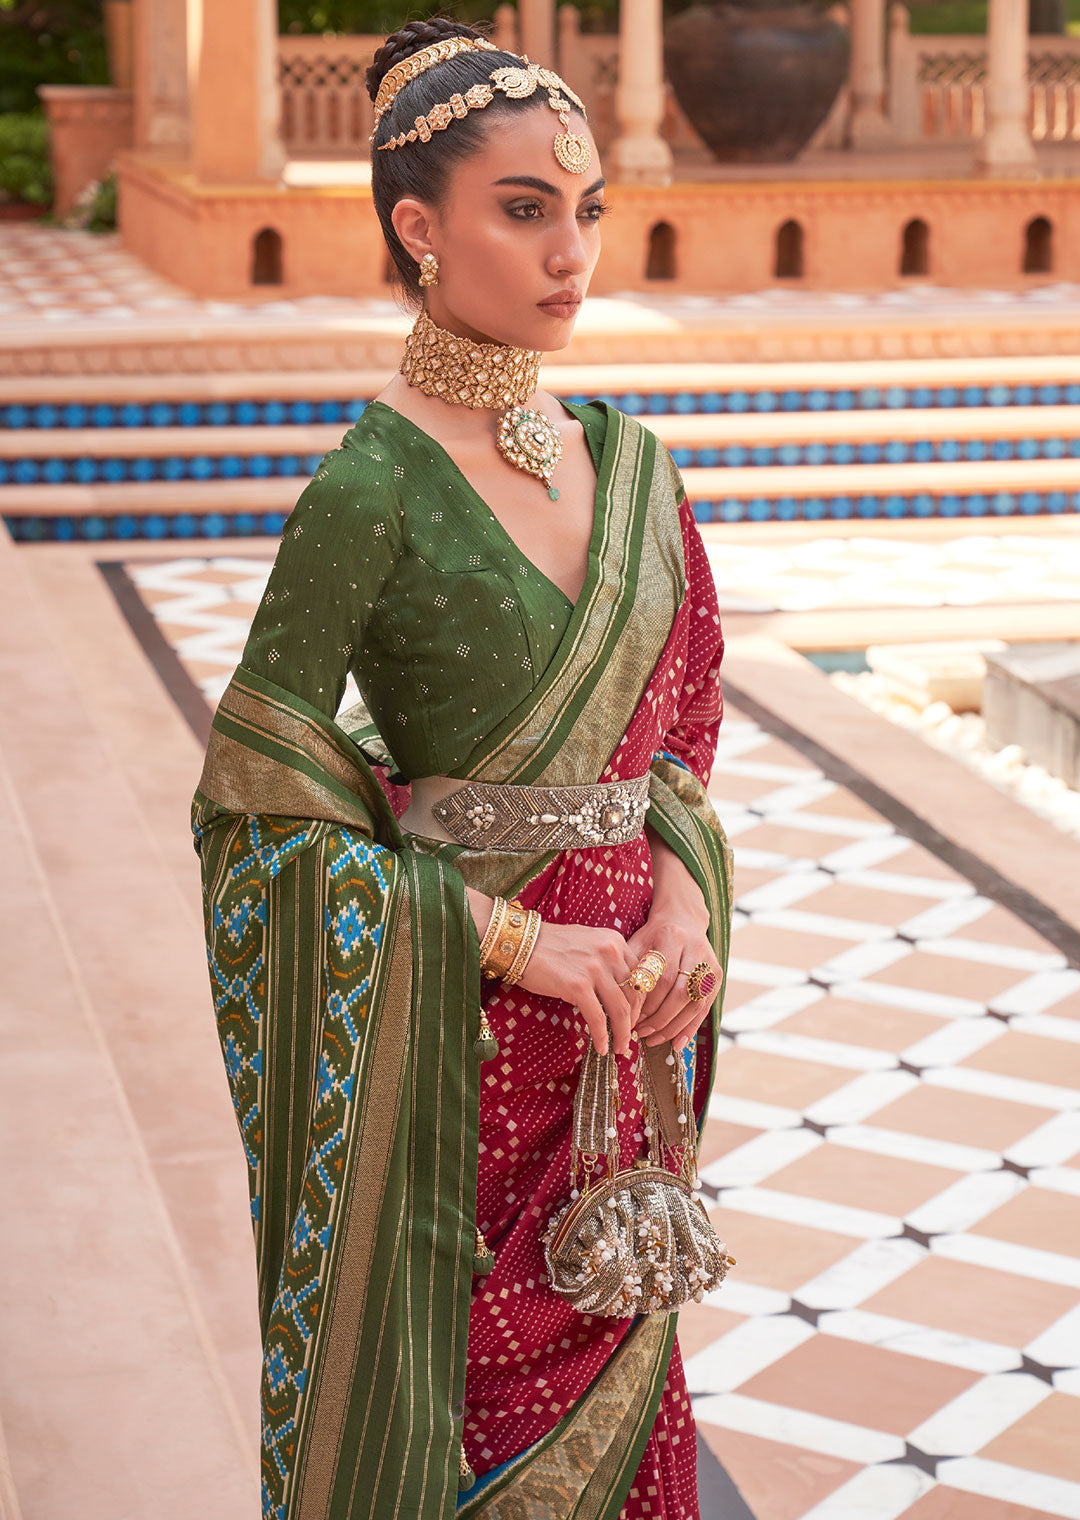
(532, 183)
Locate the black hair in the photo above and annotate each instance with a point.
(423, 169)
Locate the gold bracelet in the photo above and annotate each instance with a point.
(491, 933)
(525, 949)
(508, 940)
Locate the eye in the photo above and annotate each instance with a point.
(525, 206)
(600, 207)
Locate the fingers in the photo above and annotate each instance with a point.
(653, 1028)
(681, 1036)
(592, 1011)
(617, 1006)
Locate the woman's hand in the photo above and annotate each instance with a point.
(677, 926)
(584, 966)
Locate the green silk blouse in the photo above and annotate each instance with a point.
(393, 568)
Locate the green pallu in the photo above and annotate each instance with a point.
(344, 967)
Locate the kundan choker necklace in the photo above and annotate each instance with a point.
(493, 375)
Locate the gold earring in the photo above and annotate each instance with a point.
(429, 270)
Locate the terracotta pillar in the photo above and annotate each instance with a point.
(869, 126)
(639, 153)
(235, 136)
(162, 103)
(536, 24)
(506, 28)
(1006, 145)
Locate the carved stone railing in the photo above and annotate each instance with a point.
(325, 108)
(326, 112)
(937, 86)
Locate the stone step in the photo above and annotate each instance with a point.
(254, 507)
(846, 385)
(900, 431)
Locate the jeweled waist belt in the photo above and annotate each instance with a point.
(503, 816)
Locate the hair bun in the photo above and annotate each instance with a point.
(413, 36)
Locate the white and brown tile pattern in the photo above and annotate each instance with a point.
(892, 1151)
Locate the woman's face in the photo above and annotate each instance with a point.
(516, 228)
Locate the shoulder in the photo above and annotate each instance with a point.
(355, 489)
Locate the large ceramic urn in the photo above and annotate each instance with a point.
(754, 77)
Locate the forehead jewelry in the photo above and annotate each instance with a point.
(493, 375)
(516, 83)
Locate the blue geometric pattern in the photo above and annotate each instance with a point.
(357, 872)
(34, 529)
(249, 412)
(84, 470)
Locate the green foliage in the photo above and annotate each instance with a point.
(49, 42)
(966, 16)
(25, 170)
(373, 16)
(95, 208)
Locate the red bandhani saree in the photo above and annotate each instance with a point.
(344, 965)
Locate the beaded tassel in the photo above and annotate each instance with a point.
(486, 1046)
(483, 1258)
(466, 1476)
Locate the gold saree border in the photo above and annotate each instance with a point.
(569, 727)
(558, 1481)
(278, 758)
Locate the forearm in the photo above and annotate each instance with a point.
(481, 907)
(675, 892)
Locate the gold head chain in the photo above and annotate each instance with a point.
(573, 152)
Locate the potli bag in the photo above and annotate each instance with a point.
(636, 1240)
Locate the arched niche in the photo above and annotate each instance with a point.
(1039, 246)
(266, 257)
(660, 261)
(788, 262)
(915, 247)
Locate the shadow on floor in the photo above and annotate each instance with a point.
(718, 1497)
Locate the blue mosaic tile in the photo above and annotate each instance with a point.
(34, 528)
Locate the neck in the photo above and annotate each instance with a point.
(465, 372)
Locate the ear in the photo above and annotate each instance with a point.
(413, 223)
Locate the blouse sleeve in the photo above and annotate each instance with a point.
(338, 549)
(693, 734)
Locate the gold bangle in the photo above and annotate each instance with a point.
(491, 933)
(525, 949)
(508, 940)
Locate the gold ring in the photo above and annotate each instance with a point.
(700, 981)
(647, 972)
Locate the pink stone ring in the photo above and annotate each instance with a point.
(700, 981)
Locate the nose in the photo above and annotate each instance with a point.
(571, 256)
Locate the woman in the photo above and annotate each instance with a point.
(402, 1173)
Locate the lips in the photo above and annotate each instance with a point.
(564, 303)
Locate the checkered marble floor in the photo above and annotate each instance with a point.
(892, 1153)
(967, 571)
